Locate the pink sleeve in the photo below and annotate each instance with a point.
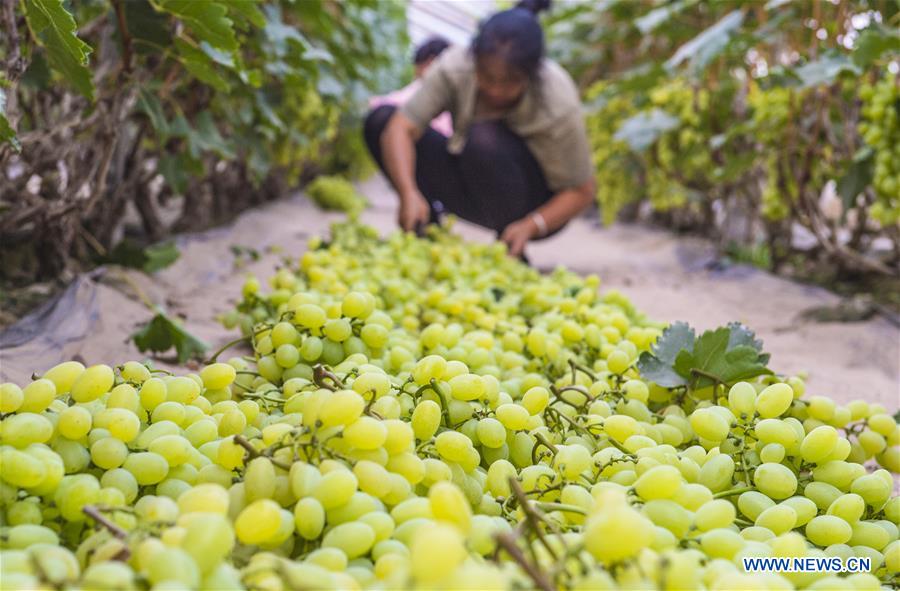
(396, 98)
(443, 124)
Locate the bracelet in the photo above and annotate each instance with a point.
(540, 222)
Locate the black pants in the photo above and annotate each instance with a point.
(493, 182)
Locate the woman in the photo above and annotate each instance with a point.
(518, 161)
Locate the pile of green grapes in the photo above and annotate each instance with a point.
(427, 413)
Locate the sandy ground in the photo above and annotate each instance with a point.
(662, 274)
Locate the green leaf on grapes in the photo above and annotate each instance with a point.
(657, 364)
(659, 372)
(163, 333)
(715, 360)
(724, 355)
(53, 28)
(741, 334)
(674, 339)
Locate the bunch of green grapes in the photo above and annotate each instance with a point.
(880, 128)
(430, 413)
(682, 153)
(617, 170)
(771, 120)
(335, 193)
(313, 125)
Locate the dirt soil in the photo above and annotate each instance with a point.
(669, 277)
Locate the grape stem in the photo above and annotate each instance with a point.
(212, 358)
(532, 516)
(579, 389)
(548, 507)
(263, 396)
(506, 541)
(321, 373)
(744, 462)
(575, 425)
(140, 293)
(94, 513)
(541, 441)
(733, 491)
(577, 366)
(252, 452)
(445, 406)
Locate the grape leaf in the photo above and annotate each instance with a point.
(855, 180)
(54, 29)
(7, 133)
(661, 15)
(725, 355)
(708, 44)
(741, 335)
(200, 65)
(207, 20)
(149, 103)
(162, 333)
(206, 138)
(146, 24)
(160, 256)
(659, 372)
(173, 174)
(244, 11)
(873, 42)
(713, 360)
(149, 259)
(825, 69)
(642, 130)
(657, 364)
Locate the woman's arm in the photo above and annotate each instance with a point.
(561, 208)
(398, 146)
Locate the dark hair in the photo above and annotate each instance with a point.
(534, 6)
(430, 49)
(514, 35)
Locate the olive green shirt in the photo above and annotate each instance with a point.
(548, 117)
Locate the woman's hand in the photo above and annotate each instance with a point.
(517, 234)
(414, 210)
